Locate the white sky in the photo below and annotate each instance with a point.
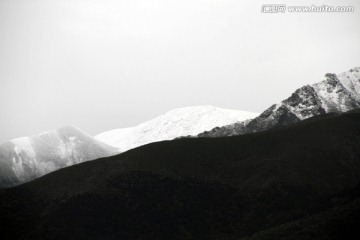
(108, 64)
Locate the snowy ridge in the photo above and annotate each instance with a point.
(26, 158)
(350, 80)
(335, 93)
(188, 121)
(339, 93)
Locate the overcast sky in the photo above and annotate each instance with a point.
(108, 64)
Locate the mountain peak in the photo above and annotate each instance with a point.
(335, 93)
(187, 121)
(71, 130)
(26, 158)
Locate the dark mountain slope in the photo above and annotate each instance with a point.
(339, 222)
(216, 188)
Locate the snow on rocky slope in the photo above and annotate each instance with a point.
(335, 93)
(24, 159)
(188, 121)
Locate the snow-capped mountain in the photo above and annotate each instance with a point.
(188, 121)
(24, 159)
(335, 93)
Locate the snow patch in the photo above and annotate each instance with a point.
(23, 154)
(175, 123)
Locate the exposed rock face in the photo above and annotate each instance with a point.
(336, 93)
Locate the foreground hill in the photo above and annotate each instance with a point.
(335, 93)
(339, 222)
(24, 159)
(202, 188)
(188, 121)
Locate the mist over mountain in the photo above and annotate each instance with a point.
(24, 159)
(188, 121)
(336, 93)
(306, 176)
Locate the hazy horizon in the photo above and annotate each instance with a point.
(101, 65)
